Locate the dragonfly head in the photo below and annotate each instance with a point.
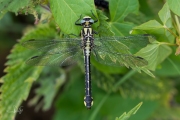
(87, 21)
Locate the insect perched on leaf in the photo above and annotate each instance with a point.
(105, 50)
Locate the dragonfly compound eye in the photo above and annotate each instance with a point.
(83, 21)
(91, 21)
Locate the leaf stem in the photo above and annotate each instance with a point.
(177, 23)
(170, 31)
(165, 43)
(121, 81)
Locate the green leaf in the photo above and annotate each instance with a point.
(174, 6)
(126, 116)
(49, 87)
(24, 6)
(104, 27)
(117, 15)
(164, 14)
(145, 87)
(121, 29)
(139, 85)
(66, 104)
(102, 77)
(170, 67)
(155, 28)
(166, 113)
(12, 5)
(150, 25)
(158, 29)
(155, 54)
(166, 110)
(67, 12)
(19, 78)
(146, 8)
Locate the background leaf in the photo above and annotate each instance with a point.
(19, 78)
(155, 54)
(173, 4)
(162, 31)
(48, 88)
(172, 65)
(110, 108)
(115, 90)
(25, 6)
(164, 14)
(66, 12)
(117, 15)
(150, 25)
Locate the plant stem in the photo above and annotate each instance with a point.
(177, 23)
(170, 31)
(121, 81)
(165, 43)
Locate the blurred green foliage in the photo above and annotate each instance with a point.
(115, 89)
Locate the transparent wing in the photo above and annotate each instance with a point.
(64, 59)
(115, 51)
(53, 46)
(119, 44)
(118, 59)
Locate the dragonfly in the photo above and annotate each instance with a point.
(112, 51)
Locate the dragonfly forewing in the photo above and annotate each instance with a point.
(65, 59)
(54, 46)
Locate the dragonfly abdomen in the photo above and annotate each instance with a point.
(87, 39)
(88, 100)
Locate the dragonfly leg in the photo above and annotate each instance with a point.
(83, 44)
(76, 23)
(72, 35)
(94, 16)
(95, 32)
(92, 45)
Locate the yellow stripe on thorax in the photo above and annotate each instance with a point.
(88, 33)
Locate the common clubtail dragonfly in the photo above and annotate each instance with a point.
(106, 50)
